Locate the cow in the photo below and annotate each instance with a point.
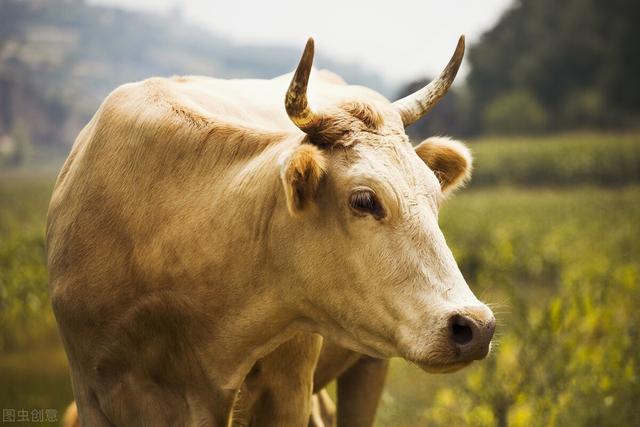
(197, 225)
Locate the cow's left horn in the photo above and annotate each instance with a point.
(296, 100)
(416, 105)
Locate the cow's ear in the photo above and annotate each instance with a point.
(301, 172)
(450, 160)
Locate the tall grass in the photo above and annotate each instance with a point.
(25, 315)
(573, 159)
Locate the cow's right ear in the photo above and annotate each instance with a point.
(301, 171)
(450, 160)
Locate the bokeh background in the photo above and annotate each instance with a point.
(548, 230)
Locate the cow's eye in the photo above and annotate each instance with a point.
(366, 202)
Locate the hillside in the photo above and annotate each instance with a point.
(59, 58)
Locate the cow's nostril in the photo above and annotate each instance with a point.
(461, 331)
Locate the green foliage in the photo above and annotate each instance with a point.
(25, 315)
(603, 159)
(38, 379)
(579, 58)
(584, 108)
(516, 112)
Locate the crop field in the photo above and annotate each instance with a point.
(549, 234)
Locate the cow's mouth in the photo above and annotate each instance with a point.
(444, 368)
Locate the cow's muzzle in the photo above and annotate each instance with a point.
(470, 331)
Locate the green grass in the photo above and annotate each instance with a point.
(561, 160)
(33, 369)
(24, 306)
(559, 262)
(35, 379)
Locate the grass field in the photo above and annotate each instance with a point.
(562, 160)
(559, 262)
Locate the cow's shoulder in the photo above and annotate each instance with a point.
(155, 105)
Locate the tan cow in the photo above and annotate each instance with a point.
(194, 229)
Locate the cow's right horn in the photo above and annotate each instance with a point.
(419, 103)
(296, 100)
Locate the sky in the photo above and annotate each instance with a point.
(399, 39)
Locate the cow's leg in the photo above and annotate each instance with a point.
(93, 415)
(323, 410)
(359, 391)
(360, 383)
(70, 418)
(334, 361)
(278, 390)
(90, 414)
(110, 397)
(87, 409)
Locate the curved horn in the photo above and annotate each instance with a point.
(296, 100)
(413, 107)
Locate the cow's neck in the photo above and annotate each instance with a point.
(247, 292)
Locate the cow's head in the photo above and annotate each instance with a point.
(375, 272)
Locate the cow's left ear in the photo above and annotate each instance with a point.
(450, 160)
(301, 171)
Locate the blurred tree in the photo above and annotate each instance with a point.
(513, 113)
(576, 59)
